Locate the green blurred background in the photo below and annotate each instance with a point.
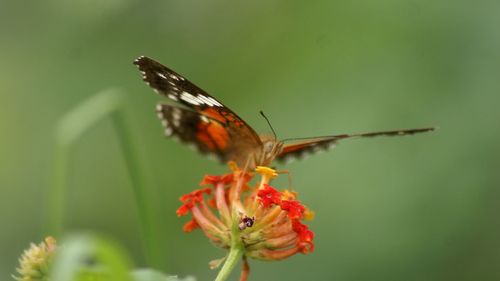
(414, 208)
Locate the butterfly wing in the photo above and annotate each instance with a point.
(301, 147)
(204, 121)
(208, 136)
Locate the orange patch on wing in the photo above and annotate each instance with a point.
(205, 138)
(288, 149)
(214, 114)
(213, 135)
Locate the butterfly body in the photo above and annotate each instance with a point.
(200, 120)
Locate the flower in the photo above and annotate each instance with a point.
(294, 208)
(268, 196)
(190, 199)
(34, 262)
(255, 221)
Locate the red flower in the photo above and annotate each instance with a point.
(214, 180)
(195, 196)
(306, 237)
(264, 223)
(190, 226)
(184, 209)
(269, 195)
(190, 199)
(294, 208)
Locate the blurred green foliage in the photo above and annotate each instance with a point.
(413, 208)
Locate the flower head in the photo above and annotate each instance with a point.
(262, 221)
(35, 261)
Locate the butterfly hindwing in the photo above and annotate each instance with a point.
(207, 135)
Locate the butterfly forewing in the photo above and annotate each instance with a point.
(301, 147)
(168, 83)
(210, 125)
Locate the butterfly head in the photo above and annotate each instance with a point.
(271, 147)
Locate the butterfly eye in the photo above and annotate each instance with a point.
(268, 146)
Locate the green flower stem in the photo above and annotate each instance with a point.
(235, 253)
(70, 129)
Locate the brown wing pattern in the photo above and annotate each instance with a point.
(207, 135)
(301, 147)
(169, 83)
(211, 125)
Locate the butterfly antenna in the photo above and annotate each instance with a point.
(269, 123)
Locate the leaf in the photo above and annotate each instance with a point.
(88, 257)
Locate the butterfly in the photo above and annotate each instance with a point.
(198, 119)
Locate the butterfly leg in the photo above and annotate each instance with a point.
(289, 174)
(248, 164)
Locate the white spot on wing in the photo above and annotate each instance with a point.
(204, 118)
(161, 75)
(205, 100)
(176, 116)
(177, 122)
(214, 101)
(187, 97)
(168, 131)
(176, 113)
(173, 97)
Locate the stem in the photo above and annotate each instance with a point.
(232, 259)
(235, 252)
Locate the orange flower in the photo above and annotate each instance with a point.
(190, 199)
(260, 221)
(190, 226)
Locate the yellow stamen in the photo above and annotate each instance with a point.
(233, 166)
(266, 172)
(288, 195)
(309, 215)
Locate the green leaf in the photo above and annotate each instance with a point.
(90, 258)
